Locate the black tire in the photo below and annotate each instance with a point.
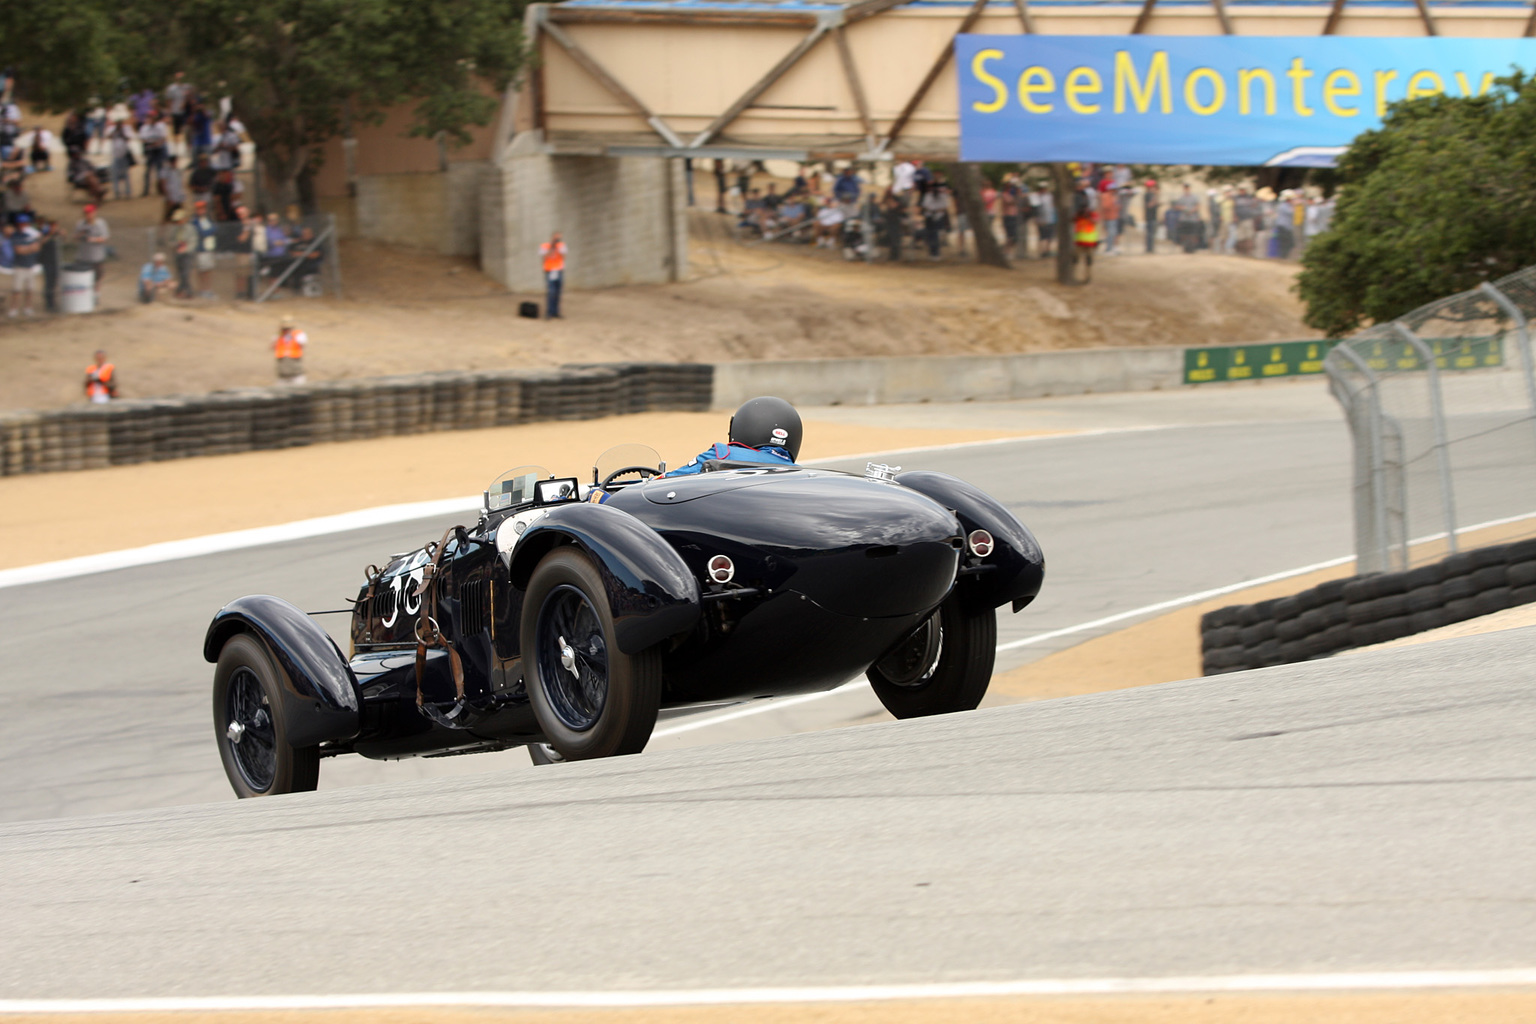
(1494, 600)
(590, 699)
(1291, 630)
(1425, 599)
(1231, 615)
(1369, 588)
(1257, 633)
(1224, 658)
(247, 691)
(1522, 574)
(1457, 588)
(1220, 636)
(1490, 577)
(953, 677)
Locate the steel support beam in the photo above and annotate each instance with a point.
(1442, 445)
(1426, 17)
(775, 73)
(1523, 333)
(1024, 17)
(1221, 16)
(855, 85)
(1379, 555)
(1335, 15)
(932, 76)
(590, 65)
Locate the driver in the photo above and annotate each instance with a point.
(764, 430)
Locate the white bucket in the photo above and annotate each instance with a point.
(78, 291)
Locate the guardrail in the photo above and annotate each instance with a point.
(248, 419)
(1343, 614)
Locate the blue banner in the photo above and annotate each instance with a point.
(1243, 100)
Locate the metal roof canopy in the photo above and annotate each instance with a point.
(745, 79)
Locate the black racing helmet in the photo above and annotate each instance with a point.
(764, 421)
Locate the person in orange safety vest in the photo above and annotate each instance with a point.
(289, 350)
(552, 253)
(1085, 227)
(100, 385)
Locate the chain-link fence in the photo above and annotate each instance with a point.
(261, 260)
(1441, 404)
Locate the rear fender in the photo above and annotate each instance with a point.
(651, 593)
(1020, 562)
(320, 692)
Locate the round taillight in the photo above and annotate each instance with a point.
(721, 569)
(980, 543)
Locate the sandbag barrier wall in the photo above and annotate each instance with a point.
(154, 430)
(1365, 610)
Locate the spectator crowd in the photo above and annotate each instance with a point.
(175, 144)
(917, 211)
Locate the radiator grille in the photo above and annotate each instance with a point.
(474, 602)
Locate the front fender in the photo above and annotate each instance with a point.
(1020, 562)
(320, 691)
(651, 593)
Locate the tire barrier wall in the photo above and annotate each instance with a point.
(1365, 610)
(250, 419)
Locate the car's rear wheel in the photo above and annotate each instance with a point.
(590, 698)
(250, 727)
(944, 666)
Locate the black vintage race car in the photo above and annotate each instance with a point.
(570, 615)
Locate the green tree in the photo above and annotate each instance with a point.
(298, 70)
(1440, 198)
(63, 52)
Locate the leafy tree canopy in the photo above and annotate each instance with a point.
(1439, 199)
(297, 70)
(61, 50)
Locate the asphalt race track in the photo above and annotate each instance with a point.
(1371, 813)
(104, 696)
(1365, 814)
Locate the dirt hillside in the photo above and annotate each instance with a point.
(406, 310)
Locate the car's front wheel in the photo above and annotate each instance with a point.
(944, 666)
(590, 698)
(250, 728)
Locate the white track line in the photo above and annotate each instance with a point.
(1230, 983)
(385, 515)
(214, 543)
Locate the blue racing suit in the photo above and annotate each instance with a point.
(768, 455)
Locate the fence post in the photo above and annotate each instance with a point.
(335, 251)
(1442, 447)
(1523, 332)
(1371, 544)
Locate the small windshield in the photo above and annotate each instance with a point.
(625, 456)
(514, 487)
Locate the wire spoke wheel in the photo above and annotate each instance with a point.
(254, 744)
(250, 727)
(590, 698)
(572, 658)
